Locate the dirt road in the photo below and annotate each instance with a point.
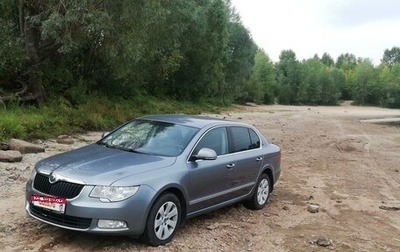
(347, 168)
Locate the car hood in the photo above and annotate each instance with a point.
(99, 165)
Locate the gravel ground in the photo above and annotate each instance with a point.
(339, 190)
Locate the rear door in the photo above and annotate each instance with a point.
(248, 158)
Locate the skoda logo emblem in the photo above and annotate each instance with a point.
(53, 178)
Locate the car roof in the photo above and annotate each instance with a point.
(189, 120)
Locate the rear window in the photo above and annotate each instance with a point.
(255, 140)
(244, 139)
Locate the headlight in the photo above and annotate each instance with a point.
(113, 193)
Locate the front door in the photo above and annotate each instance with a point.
(211, 181)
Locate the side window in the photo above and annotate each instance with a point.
(255, 140)
(244, 139)
(241, 139)
(216, 139)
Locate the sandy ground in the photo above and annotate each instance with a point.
(331, 156)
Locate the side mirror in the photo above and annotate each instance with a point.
(204, 154)
(104, 134)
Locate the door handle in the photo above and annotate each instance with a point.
(259, 159)
(230, 166)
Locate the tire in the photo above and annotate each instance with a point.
(261, 193)
(163, 220)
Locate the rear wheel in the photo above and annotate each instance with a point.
(261, 193)
(163, 221)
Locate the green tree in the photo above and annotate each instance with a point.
(311, 85)
(365, 80)
(327, 60)
(261, 86)
(12, 58)
(145, 47)
(339, 80)
(53, 33)
(330, 90)
(240, 60)
(289, 78)
(189, 50)
(346, 61)
(205, 52)
(391, 57)
(390, 79)
(320, 83)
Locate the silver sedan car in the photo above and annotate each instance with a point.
(149, 175)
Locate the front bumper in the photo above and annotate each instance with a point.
(82, 213)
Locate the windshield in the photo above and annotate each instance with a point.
(150, 137)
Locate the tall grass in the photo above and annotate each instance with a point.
(60, 117)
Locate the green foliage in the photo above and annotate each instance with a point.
(10, 127)
(240, 60)
(311, 87)
(187, 50)
(205, 50)
(330, 91)
(103, 62)
(365, 89)
(261, 87)
(98, 113)
(320, 83)
(346, 61)
(327, 60)
(390, 81)
(391, 57)
(339, 79)
(11, 53)
(288, 77)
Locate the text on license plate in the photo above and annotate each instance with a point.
(54, 204)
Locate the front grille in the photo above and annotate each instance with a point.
(60, 219)
(59, 189)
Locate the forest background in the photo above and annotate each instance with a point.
(77, 65)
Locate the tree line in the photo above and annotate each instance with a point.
(324, 81)
(191, 50)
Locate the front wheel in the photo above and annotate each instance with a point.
(261, 193)
(163, 221)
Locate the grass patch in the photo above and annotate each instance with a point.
(98, 113)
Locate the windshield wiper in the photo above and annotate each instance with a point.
(127, 149)
(118, 147)
(105, 144)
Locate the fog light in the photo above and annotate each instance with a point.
(111, 224)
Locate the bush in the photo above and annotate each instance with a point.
(96, 114)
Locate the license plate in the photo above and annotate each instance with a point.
(50, 203)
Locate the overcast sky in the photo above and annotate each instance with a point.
(364, 28)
